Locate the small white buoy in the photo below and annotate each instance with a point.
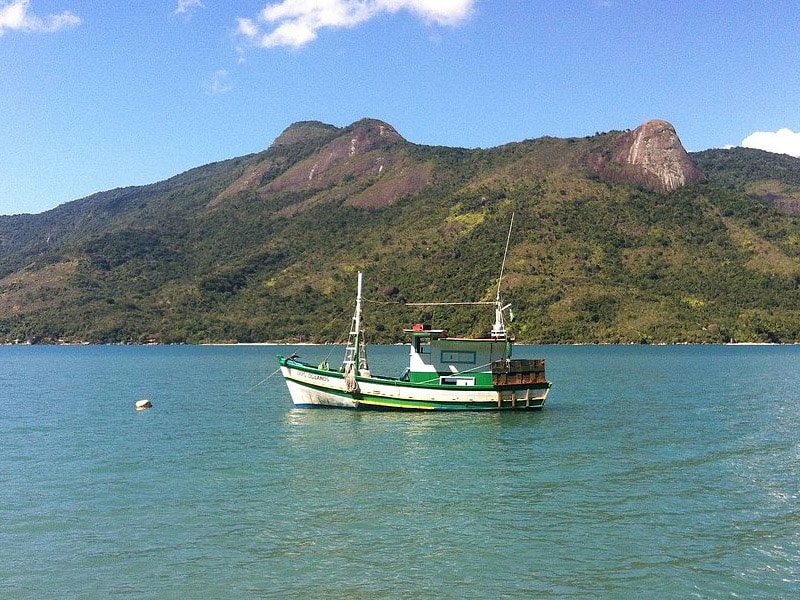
(143, 404)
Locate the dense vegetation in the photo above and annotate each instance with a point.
(589, 261)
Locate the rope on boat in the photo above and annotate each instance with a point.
(263, 381)
(350, 379)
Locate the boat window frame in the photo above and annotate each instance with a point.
(450, 361)
(456, 381)
(423, 342)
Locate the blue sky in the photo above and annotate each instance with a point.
(98, 95)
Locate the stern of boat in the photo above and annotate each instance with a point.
(521, 383)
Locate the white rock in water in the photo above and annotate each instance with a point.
(143, 404)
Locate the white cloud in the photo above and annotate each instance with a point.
(247, 27)
(295, 23)
(220, 83)
(783, 141)
(184, 6)
(441, 12)
(15, 16)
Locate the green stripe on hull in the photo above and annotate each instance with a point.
(370, 401)
(389, 401)
(449, 406)
(429, 384)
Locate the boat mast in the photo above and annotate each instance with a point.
(355, 356)
(498, 331)
(499, 327)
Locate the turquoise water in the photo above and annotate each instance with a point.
(658, 472)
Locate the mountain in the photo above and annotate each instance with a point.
(618, 237)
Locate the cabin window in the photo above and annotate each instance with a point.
(458, 381)
(422, 345)
(458, 357)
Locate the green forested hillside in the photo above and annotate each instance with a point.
(199, 259)
(771, 178)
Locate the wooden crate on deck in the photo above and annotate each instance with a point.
(518, 371)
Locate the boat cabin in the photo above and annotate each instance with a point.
(453, 361)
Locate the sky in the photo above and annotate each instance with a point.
(100, 95)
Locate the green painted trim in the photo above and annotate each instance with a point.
(368, 401)
(427, 383)
(384, 403)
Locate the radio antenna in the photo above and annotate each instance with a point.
(505, 254)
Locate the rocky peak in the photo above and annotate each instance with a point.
(305, 132)
(355, 151)
(652, 156)
(362, 136)
(330, 154)
(364, 164)
(367, 135)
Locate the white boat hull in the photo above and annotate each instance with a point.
(321, 388)
(304, 395)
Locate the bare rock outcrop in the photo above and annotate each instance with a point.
(652, 156)
(365, 164)
(353, 153)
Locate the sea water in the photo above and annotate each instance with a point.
(658, 472)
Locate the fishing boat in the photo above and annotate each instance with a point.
(443, 373)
